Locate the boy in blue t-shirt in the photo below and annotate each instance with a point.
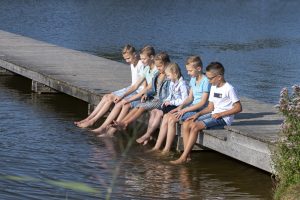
(223, 104)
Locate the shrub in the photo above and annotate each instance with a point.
(287, 156)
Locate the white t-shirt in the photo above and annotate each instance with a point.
(223, 99)
(137, 73)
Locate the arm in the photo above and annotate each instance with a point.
(237, 107)
(187, 101)
(199, 105)
(206, 110)
(183, 95)
(130, 90)
(140, 94)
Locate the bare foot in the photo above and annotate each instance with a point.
(178, 161)
(99, 130)
(152, 150)
(102, 135)
(165, 152)
(105, 135)
(144, 139)
(85, 124)
(81, 121)
(119, 125)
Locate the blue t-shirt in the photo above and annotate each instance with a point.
(198, 89)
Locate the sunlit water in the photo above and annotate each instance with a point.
(39, 144)
(257, 41)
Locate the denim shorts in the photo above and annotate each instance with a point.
(133, 104)
(187, 115)
(210, 122)
(121, 91)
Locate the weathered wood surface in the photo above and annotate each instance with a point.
(252, 136)
(75, 73)
(250, 139)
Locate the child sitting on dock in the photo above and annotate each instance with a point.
(196, 101)
(130, 56)
(123, 104)
(178, 92)
(154, 98)
(223, 104)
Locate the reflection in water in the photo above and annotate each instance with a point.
(257, 41)
(39, 141)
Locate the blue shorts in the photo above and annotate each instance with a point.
(210, 122)
(191, 113)
(187, 115)
(121, 91)
(135, 103)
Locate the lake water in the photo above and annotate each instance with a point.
(257, 41)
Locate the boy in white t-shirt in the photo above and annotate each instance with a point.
(223, 104)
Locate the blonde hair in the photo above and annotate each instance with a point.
(195, 61)
(162, 57)
(174, 69)
(128, 49)
(148, 50)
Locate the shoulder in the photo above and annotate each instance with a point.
(213, 87)
(182, 81)
(228, 86)
(229, 89)
(205, 79)
(140, 65)
(193, 80)
(146, 68)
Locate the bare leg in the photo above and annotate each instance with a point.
(112, 115)
(129, 119)
(195, 128)
(124, 112)
(98, 115)
(132, 112)
(153, 125)
(103, 101)
(110, 131)
(185, 132)
(144, 137)
(171, 133)
(162, 132)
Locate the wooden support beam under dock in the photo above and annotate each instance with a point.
(87, 77)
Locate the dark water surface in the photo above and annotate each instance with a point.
(43, 156)
(39, 144)
(257, 41)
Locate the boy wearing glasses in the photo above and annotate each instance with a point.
(223, 104)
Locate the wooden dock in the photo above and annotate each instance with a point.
(87, 77)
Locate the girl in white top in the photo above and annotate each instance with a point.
(137, 67)
(178, 92)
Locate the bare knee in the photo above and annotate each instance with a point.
(153, 113)
(119, 105)
(186, 124)
(197, 126)
(126, 106)
(159, 113)
(108, 97)
(172, 120)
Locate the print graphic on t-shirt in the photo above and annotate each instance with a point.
(218, 95)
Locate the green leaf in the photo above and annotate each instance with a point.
(73, 186)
